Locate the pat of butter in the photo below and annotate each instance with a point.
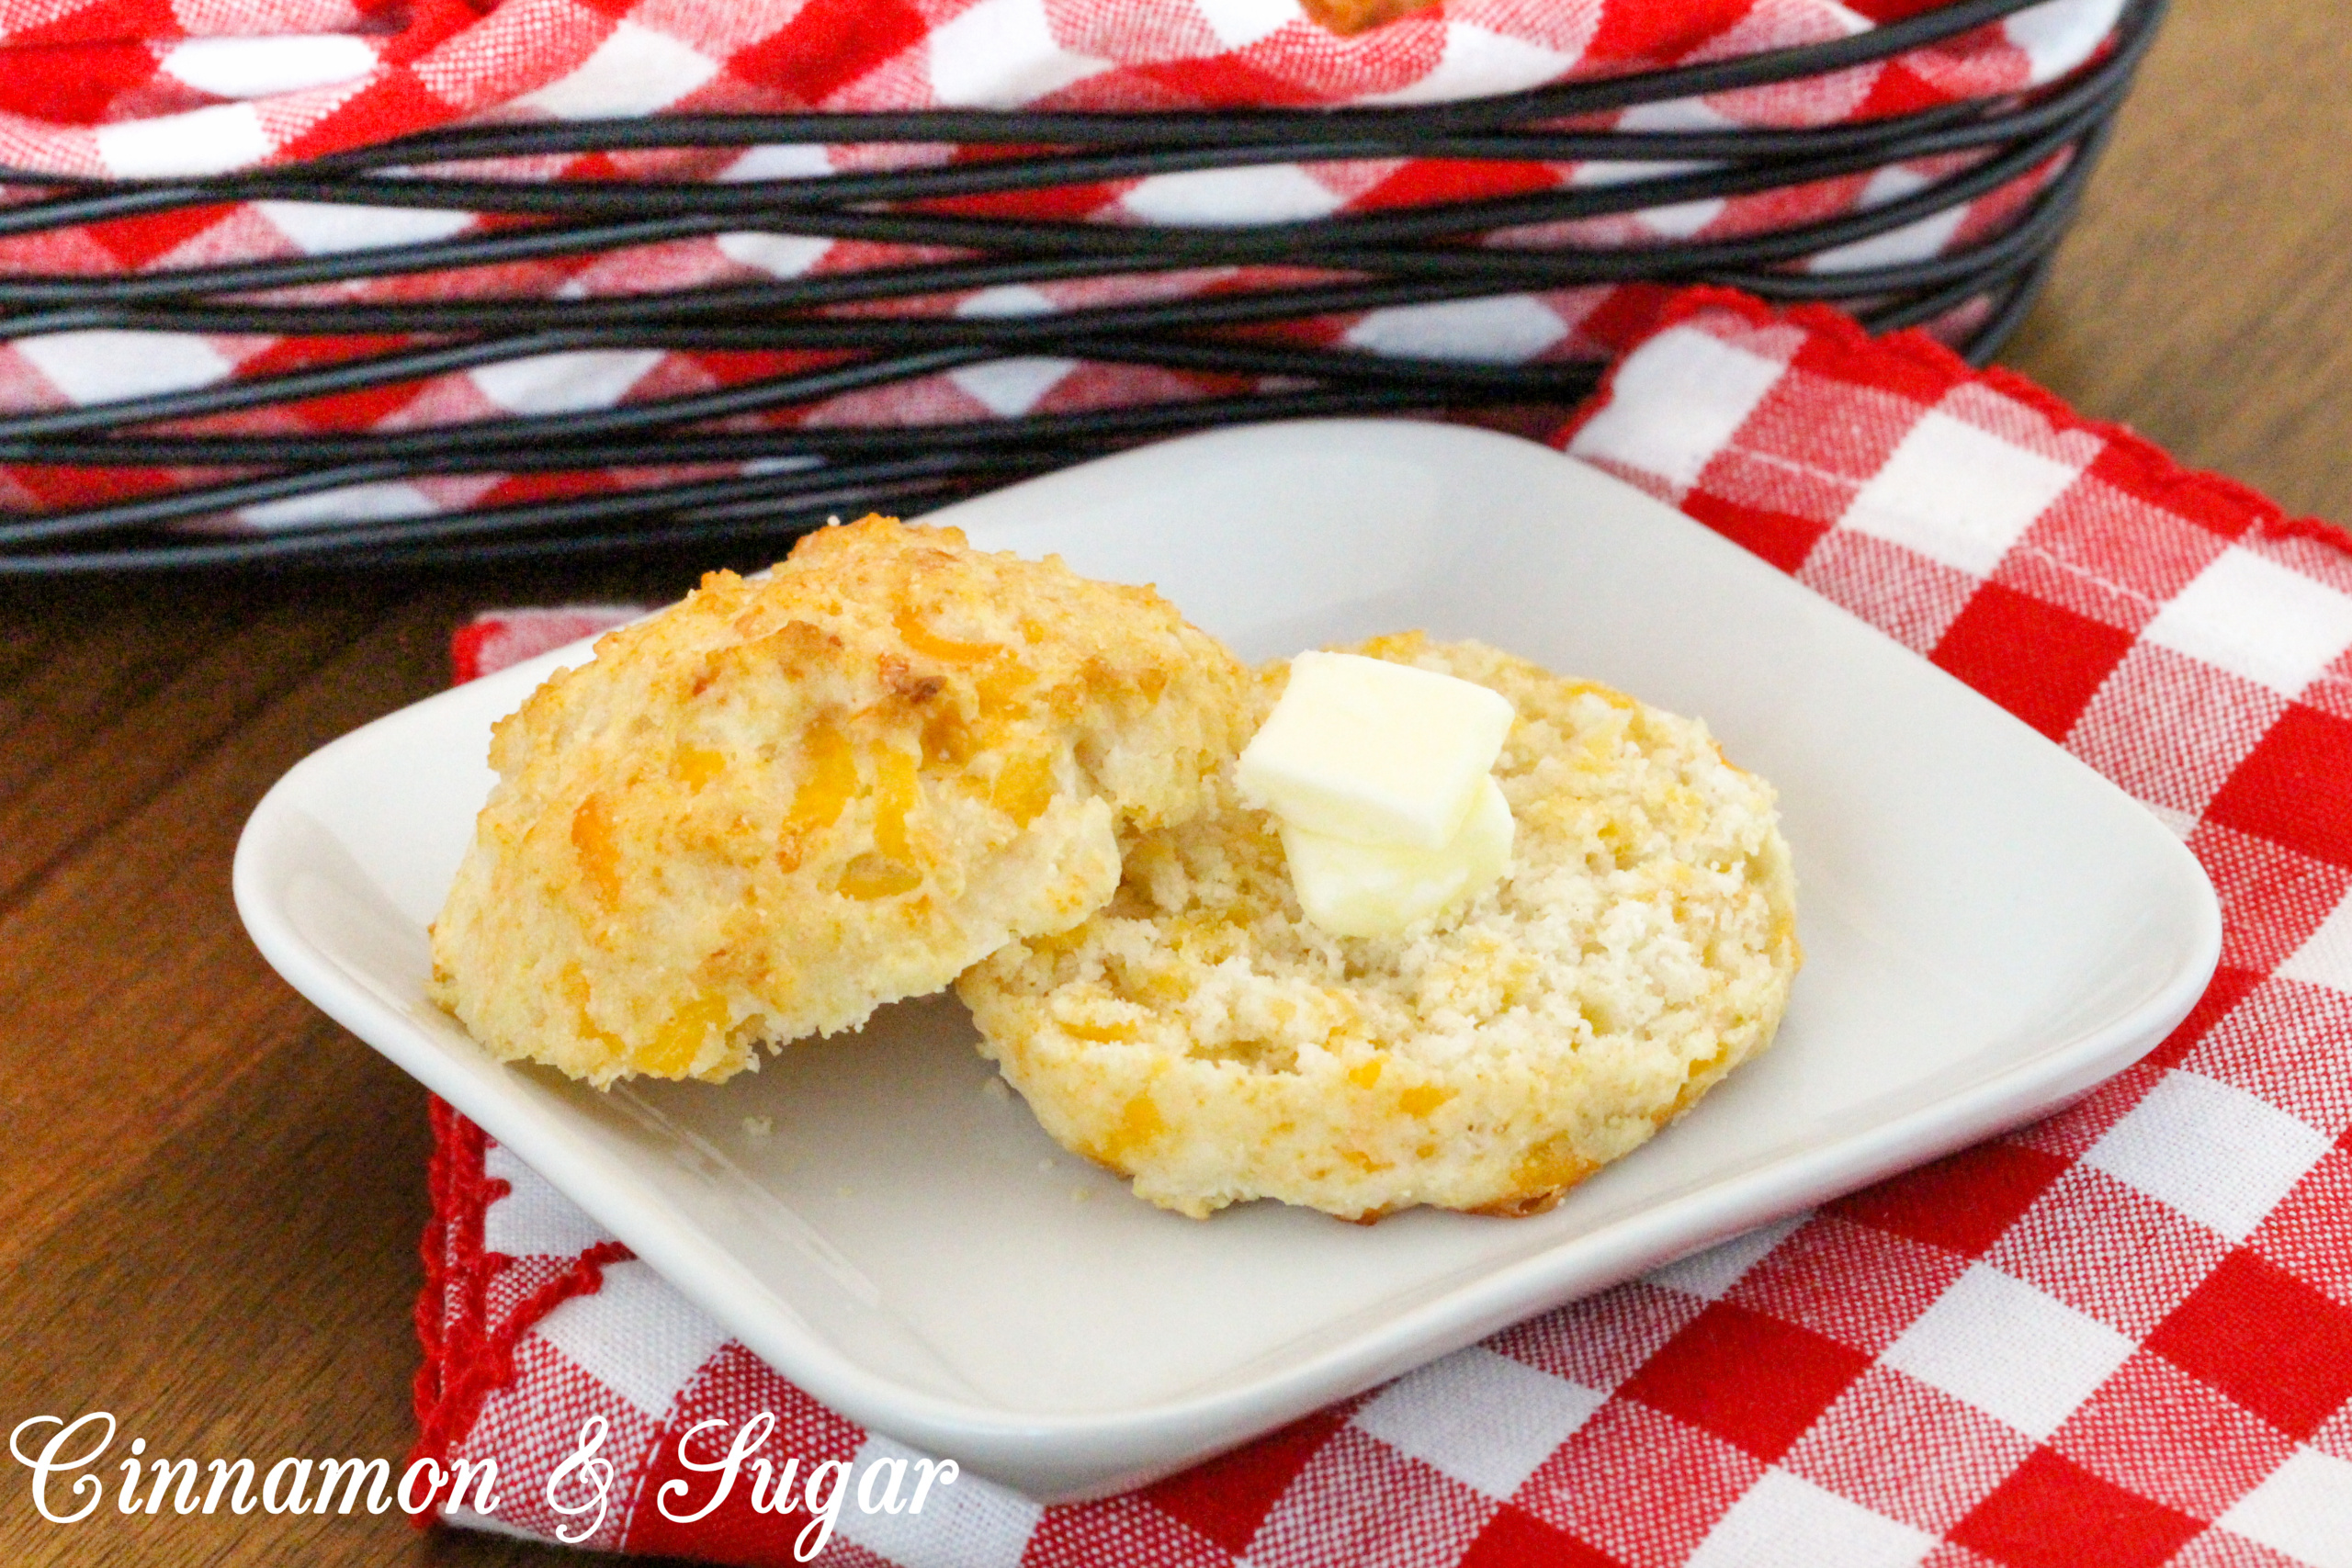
(1379, 753)
(1352, 889)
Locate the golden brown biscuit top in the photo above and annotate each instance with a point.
(876, 640)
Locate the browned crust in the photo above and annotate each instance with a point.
(1525, 1205)
(1361, 16)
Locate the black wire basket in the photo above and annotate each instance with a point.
(728, 463)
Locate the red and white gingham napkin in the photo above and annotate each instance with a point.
(138, 88)
(2119, 1338)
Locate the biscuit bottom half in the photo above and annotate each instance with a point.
(1199, 1036)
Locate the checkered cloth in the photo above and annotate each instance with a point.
(131, 89)
(142, 89)
(2121, 1338)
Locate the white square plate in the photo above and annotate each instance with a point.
(1991, 929)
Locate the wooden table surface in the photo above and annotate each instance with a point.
(210, 1196)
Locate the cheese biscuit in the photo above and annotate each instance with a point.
(1200, 1036)
(783, 802)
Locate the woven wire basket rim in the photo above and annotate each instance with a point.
(1396, 256)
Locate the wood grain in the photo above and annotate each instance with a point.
(2205, 295)
(210, 1196)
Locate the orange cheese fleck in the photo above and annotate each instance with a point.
(592, 838)
(1024, 786)
(829, 785)
(1422, 1099)
(1549, 1165)
(870, 876)
(1099, 1032)
(674, 1046)
(1139, 1123)
(831, 780)
(930, 644)
(696, 766)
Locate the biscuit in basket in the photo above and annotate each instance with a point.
(781, 803)
(1361, 15)
(1200, 1037)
